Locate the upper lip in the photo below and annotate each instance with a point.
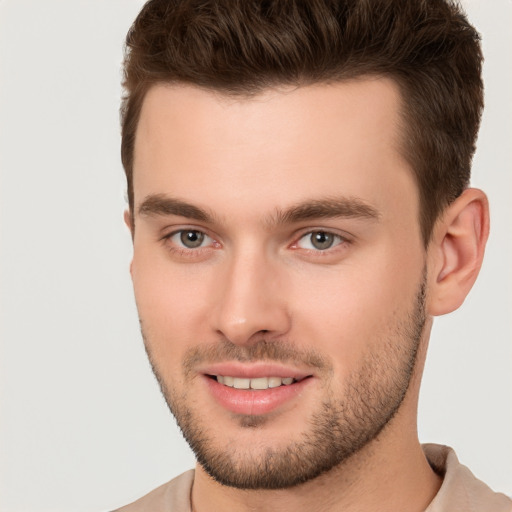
(253, 370)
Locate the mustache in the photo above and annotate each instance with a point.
(264, 350)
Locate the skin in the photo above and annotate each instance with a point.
(257, 276)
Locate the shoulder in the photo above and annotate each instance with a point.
(460, 489)
(173, 496)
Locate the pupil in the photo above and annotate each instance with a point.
(322, 240)
(192, 239)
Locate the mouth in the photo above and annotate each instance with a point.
(258, 383)
(255, 389)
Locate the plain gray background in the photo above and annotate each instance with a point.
(83, 426)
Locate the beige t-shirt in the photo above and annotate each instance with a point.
(459, 492)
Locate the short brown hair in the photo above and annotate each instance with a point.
(241, 47)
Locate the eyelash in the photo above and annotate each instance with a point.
(190, 252)
(327, 255)
(187, 252)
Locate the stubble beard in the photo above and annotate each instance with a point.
(340, 427)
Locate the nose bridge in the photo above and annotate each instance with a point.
(249, 300)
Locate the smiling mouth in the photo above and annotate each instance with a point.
(259, 383)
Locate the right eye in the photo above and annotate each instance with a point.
(190, 239)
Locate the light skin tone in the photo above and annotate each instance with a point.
(291, 218)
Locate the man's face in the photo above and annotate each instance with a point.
(277, 246)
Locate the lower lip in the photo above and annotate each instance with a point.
(255, 402)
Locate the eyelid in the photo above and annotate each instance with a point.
(169, 231)
(343, 235)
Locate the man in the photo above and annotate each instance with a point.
(299, 205)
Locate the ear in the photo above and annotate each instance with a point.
(128, 220)
(456, 251)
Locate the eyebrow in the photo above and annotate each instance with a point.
(160, 204)
(329, 207)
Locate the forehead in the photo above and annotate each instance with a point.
(283, 145)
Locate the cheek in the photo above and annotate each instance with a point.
(354, 309)
(171, 302)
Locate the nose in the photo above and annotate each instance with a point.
(251, 300)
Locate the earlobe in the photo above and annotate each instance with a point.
(457, 250)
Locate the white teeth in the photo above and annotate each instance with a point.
(260, 383)
(257, 383)
(228, 381)
(274, 382)
(241, 383)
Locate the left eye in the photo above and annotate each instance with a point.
(319, 240)
(190, 238)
